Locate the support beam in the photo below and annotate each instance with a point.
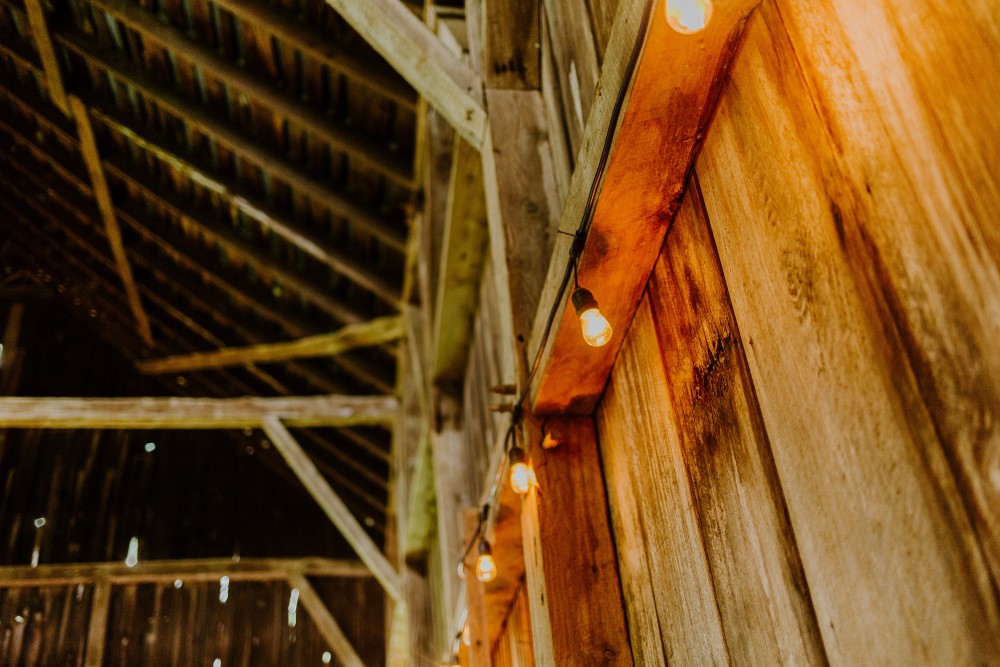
(325, 622)
(376, 332)
(361, 150)
(92, 158)
(332, 505)
(193, 570)
(417, 54)
(667, 113)
(47, 54)
(97, 629)
(193, 413)
(463, 254)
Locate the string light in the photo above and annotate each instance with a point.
(596, 328)
(486, 566)
(522, 477)
(132, 557)
(689, 16)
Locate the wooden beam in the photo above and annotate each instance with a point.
(420, 57)
(376, 332)
(511, 53)
(193, 413)
(332, 505)
(463, 254)
(567, 533)
(193, 570)
(92, 159)
(325, 622)
(311, 40)
(363, 151)
(47, 54)
(97, 629)
(666, 115)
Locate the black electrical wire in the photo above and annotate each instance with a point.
(572, 266)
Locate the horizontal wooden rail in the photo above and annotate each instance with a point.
(193, 413)
(192, 570)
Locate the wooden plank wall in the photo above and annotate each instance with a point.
(810, 472)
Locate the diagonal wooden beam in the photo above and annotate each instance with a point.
(419, 56)
(193, 413)
(200, 569)
(47, 54)
(331, 504)
(376, 332)
(658, 135)
(366, 152)
(92, 159)
(325, 622)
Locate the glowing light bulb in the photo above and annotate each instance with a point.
(132, 557)
(596, 328)
(521, 475)
(486, 567)
(689, 16)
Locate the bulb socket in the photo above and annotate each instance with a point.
(485, 549)
(583, 300)
(517, 455)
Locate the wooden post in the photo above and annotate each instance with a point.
(325, 622)
(332, 505)
(47, 54)
(97, 630)
(475, 591)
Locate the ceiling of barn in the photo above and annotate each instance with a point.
(259, 157)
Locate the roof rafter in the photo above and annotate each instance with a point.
(365, 151)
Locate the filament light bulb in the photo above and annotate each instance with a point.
(596, 328)
(689, 16)
(486, 567)
(522, 477)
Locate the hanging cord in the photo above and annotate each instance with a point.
(572, 269)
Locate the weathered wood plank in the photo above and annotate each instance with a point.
(376, 332)
(97, 629)
(92, 158)
(193, 413)
(673, 613)
(332, 505)
(325, 622)
(870, 493)
(918, 196)
(463, 252)
(572, 570)
(657, 139)
(153, 571)
(420, 57)
(475, 591)
(510, 57)
(718, 439)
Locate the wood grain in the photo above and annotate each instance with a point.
(736, 498)
(870, 493)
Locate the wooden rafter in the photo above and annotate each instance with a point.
(383, 81)
(97, 628)
(193, 413)
(420, 57)
(375, 332)
(627, 231)
(92, 159)
(332, 505)
(365, 151)
(47, 54)
(193, 570)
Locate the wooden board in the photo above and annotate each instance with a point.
(666, 114)
(894, 566)
(718, 438)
